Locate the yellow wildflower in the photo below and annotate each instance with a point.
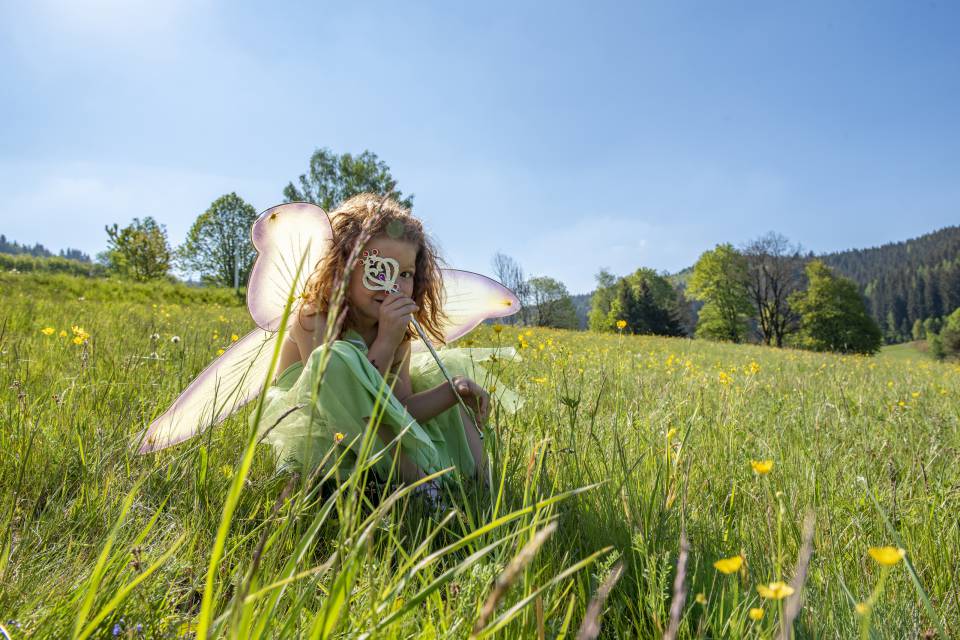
(756, 614)
(539, 380)
(774, 590)
(338, 437)
(700, 598)
(63, 333)
(862, 608)
(227, 471)
(234, 337)
(753, 368)
(728, 565)
(724, 378)
(621, 324)
(497, 328)
(887, 556)
(761, 467)
(47, 331)
(219, 352)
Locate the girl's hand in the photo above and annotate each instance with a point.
(474, 396)
(396, 311)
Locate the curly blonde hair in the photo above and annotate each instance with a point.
(368, 215)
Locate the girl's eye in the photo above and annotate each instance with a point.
(407, 274)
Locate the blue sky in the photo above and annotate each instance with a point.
(571, 136)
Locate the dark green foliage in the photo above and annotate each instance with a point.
(39, 251)
(645, 300)
(833, 315)
(139, 251)
(719, 280)
(906, 281)
(218, 245)
(950, 335)
(332, 179)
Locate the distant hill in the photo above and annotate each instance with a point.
(39, 251)
(905, 281)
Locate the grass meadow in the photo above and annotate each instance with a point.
(630, 461)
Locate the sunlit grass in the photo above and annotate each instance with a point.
(624, 442)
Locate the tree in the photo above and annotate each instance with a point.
(599, 317)
(218, 244)
(510, 275)
(774, 271)
(332, 179)
(950, 335)
(552, 305)
(833, 314)
(139, 250)
(719, 279)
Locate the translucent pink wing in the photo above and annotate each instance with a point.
(282, 236)
(469, 299)
(228, 383)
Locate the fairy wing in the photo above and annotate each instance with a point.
(284, 236)
(290, 239)
(228, 383)
(469, 299)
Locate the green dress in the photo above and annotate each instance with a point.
(303, 426)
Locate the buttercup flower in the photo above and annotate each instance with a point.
(774, 590)
(234, 337)
(887, 556)
(621, 324)
(728, 565)
(700, 598)
(756, 614)
(497, 328)
(761, 467)
(338, 437)
(47, 331)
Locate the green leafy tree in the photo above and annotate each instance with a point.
(833, 315)
(950, 335)
(139, 251)
(551, 303)
(719, 280)
(218, 245)
(333, 178)
(599, 317)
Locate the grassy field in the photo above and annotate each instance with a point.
(625, 446)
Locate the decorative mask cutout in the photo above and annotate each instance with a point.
(380, 273)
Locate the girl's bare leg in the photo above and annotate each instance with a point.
(476, 444)
(409, 471)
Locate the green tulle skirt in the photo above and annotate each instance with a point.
(310, 421)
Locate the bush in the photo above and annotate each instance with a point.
(950, 335)
(54, 264)
(58, 285)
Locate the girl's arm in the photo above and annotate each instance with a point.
(427, 404)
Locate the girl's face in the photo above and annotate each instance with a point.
(366, 303)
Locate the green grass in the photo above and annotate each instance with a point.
(906, 352)
(91, 533)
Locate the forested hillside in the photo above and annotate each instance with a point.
(906, 281)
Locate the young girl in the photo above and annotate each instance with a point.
(305, 416)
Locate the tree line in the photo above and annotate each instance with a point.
(908, 285)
